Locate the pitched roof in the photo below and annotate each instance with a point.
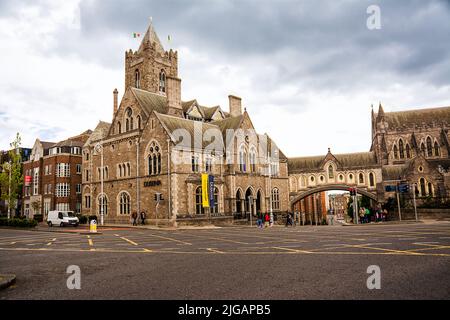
(345, 160)
(228, 123)
(209, 111)
(152, 37)
(194, 128)
(150, 101)
(393, 172)
(47, 144)
(417, 117)
(100, 132)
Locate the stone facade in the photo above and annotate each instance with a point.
(408, 147)
(126, 162)
(413, 146)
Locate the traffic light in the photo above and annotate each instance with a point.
(352, 191)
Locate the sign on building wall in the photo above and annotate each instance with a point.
(28, 180)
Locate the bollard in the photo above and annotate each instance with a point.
(93, 226)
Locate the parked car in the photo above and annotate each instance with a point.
(62, 218)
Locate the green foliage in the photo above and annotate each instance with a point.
(38, 217)
(365, 202)
(18, 222)
(13, 170)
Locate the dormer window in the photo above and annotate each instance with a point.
(137, 79)
(162, 81)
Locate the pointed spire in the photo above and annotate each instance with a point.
(380, 110)
(151, 37)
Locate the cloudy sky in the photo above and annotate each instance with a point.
(307, 71)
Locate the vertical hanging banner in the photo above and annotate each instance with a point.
(205, 196)
(211, 191)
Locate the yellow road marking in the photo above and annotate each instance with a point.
(171, 239)
(90, 241)
(291, 250)
(430, 248)
(214, 250)
(230, 253)
(128, 240)
(383, 249)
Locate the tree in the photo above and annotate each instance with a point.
(11, 177)
(36, 205)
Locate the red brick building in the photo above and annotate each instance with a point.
(53, 176)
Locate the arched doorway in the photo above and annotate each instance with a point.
(258, 201)
(249, 202)
(239, 204)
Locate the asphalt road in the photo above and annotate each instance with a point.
(231, 263)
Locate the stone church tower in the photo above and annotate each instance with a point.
(150, 66)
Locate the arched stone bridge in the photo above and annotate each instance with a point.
(310, 175)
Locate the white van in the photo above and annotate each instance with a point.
(62, 218)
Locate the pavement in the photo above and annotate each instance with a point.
(231, 262)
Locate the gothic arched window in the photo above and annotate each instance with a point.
(238, 201)
(408, 151)
(371, 179)
(242, 159)
(154, 159)
(395, 152)
(275, 199)
(429, 147)
(124, 203)
(252, 160)
(401, 149)
(162, 81)
(422, 149)
(137, 79)
(102, 204)
(361, 178)
(139, 122)
(215, 209)
(119, 127)
(422, 187)
(330, 172)
(436, 149)
(198, 201)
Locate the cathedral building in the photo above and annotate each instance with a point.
(408, 148)
(414, 146)
(158, 144)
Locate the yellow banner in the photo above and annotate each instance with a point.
(205, 198)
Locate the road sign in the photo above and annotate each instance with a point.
(403, 188)
(390, 188)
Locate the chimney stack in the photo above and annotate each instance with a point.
(235, 106)
(174, 96)
(115, 94)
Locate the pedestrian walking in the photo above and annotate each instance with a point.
(288, 219)
(134, 218)
(266, 220)
(143, 216)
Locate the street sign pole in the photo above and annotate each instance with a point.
(398, 202)
(413, 187)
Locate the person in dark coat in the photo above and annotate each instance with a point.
(143, 216)
(134, 218)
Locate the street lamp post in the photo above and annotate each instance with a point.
(99, 148)
(270, 188)
(250, 208)
(9, 168)
(413, 187)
